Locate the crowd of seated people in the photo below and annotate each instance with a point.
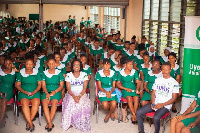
(123, 68)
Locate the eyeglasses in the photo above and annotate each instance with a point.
(76, 65)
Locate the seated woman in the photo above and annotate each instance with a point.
(143, 70)
(76, 106)
(189, 121)
(127, 78)
(132, 52)
(149, 81)
(139, 58)
(52, 84)
(164, 58)
(7, 79)
(62, 68)
(28, 83)
(113, 58)
(106, 79)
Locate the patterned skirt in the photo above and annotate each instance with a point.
(76, 114)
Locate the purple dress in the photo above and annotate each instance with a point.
(76, 114)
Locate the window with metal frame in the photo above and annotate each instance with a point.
(94, 15)
(111, 18)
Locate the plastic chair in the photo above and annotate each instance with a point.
(97, 103)
(151, 115)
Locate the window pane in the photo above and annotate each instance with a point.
(154, 10)
(164, 10)
(175, 10)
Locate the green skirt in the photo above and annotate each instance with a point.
(187, 121)
(22, 95)
(8, 91)
(146, 96)
(57, 96)
(102, 99)
(126, 93)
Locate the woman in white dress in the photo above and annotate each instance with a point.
(76, 106)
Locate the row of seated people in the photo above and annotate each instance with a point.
(133, 51)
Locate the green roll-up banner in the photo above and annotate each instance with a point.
(191, 62)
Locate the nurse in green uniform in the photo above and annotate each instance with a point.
(143, 70)
(145, 67)
(127, 78)
(62, 68)
(139, 58)
(7, 79)
(149, 80)
(106, 79)
(189, 121)
(164, 58)
(117, 68)
(118, 45)
(28, 83)
(86, 68)
(131, 53)
(175, 73)
(52, 84)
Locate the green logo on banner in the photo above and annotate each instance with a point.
(197, 33)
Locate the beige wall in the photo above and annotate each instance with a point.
(134, 19)
(54, 12)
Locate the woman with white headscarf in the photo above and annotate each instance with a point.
(152, 52)
(164, 58)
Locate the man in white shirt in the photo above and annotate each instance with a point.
(164, 94)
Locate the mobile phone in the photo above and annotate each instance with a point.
(3, 95)
(153, 105)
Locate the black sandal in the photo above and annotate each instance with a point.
(50, 129)
(32, 129)
(46, 127)
(27, 128)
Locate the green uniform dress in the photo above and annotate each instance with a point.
(87, 44)
(111, 42)
(106, 82)
(187, 121)
(131, 56)
(98, 51)
(138, 60)
(150, 79)
(87, 70)
(118, 47)
(116, 69)
(151, 56)
(7, 84)
(164, 59)
(128, 81)
(104, 55)
(101, 37)
(71, 54)
(113, 62)
(23, 45)
(12, 48)
(175, 71)
(29, 82)
(145, 70)
(124, 51)
(52, 83)
(81, 40)
(66, 59)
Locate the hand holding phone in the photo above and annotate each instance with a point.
(3, 95)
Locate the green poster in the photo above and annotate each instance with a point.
(191, 62)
